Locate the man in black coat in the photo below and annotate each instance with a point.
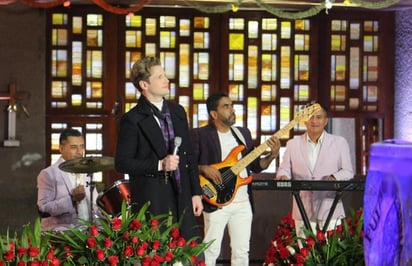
(159, 172)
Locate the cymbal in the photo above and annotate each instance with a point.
(88, 165)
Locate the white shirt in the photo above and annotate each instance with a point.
(313, 150)
(83, 207)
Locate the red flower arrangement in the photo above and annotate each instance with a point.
(341, 246)
(131, 239)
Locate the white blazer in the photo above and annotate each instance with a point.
(333, 159)
(54, 198)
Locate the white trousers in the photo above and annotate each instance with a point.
(237, 216)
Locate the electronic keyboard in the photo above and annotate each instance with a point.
(289, 185)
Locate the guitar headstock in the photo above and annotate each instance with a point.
(307, 113)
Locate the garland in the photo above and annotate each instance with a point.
(291, 14)
(378, 4)
(215, 9)
(375, 5)
(33, 3)
(119, 10)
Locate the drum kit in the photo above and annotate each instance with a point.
(110, 201)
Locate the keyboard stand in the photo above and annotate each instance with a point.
(304, 215)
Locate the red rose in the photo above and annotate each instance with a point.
(145, 245)
(181, 242)
(172, 244)
(157, 258)
(135, 224)
(107, 242)
(192, 244)
(113, 260)
(33, 252)
(68, 253)
(20, 263)
(310, 241)
(146, 261)
(56, 262)
(33, 263)
(126, 235)
(156, 244)
(154, 224)
(193, 259)
(93, 230)
(128, 251)
(175, 233)
(9, 255)
(50, 254)
(201, 263)
(21, 251)
(168, 256)
(300, 258)
(304, 252)
(134, 239)
(99, 254)
(320, 235)
(116, 223)
(284, 253)
(140, 251)
(91, 242)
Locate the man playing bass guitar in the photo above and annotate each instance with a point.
(229, 195)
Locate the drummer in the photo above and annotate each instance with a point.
(62, 196)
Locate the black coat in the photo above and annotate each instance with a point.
(140, 146)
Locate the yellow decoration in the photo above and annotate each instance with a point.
(235, 8)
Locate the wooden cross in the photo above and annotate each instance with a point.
(12, 97)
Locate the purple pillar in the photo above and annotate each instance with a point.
(388, 204)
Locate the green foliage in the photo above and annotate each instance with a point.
(341, 246)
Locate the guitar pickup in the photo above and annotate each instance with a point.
(208, 192)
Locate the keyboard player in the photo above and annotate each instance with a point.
(316, 155)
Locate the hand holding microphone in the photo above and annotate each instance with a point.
(171, 162)
(178, 142)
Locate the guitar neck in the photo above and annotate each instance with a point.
(251, 156)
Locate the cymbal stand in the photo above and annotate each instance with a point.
(92, 186)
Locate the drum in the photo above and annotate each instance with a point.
(112, 198)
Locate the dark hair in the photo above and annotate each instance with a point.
(69, 132)
(324, 109)
(141, 70)
(321, 106)
(213, 101)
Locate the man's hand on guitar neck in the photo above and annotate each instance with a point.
(211, 173)
(274, 145)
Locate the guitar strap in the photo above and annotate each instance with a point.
(241, 141)
(238, 136)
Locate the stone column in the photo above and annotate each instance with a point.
(403, 75)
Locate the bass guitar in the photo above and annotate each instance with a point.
(222, 194)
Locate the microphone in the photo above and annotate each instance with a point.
(178, 142)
